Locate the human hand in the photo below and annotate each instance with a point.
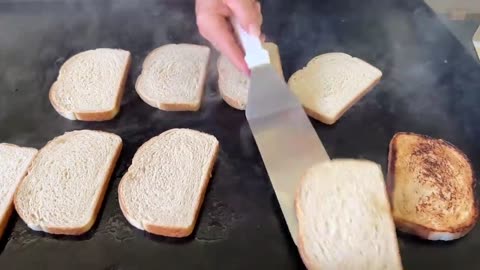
(214, 25)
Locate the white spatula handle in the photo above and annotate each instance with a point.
(255, 54)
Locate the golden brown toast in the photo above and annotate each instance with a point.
(432, 187)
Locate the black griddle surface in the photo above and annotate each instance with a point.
(430, 86)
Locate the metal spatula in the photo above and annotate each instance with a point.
(284, 135)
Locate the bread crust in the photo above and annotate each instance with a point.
(6, 217)
(300, 215)
(172, 106)
(421, 230)
(273, 51)
(93, 116)
(301, 236)
(98, 203)
(170, 231)
(232, 102)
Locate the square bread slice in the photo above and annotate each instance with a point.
(432, 187)
(331, 83)
(163, 189)
(65, 185)
(344, 218)
(173, 77)
(91, 84)
(233, 85)
(14, 162)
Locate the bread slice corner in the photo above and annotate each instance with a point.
(332, 83)
(65, 185)
(432, 187)
(163, 190)
(233, 85)
(14, 163)
(90, 85)
(344, 217)
(173, 77)
(476, 41)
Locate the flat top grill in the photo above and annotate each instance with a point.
(429, 86)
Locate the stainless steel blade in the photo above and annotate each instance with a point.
(285, 137)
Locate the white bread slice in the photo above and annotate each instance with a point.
(476, 42)
(331, 83)
(163, 189)
(173, 77)
(65, 185)
(91, 84)
(432, 187)
(14, 162)
(233, 85)
(344, 217)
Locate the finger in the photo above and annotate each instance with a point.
(247, 13)
(224, 10)
(260, 18)
(259, 11)
(219, 32)
(211, 7)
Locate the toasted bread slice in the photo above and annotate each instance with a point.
(91, 84)
(344, 217)
(65, 185)
(163, 189)
(431, 184)
(173, 77)
(233, 84)
(14, 162)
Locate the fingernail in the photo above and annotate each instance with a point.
(254, 30)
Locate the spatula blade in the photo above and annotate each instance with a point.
(285, 137)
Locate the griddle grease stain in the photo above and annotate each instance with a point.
(214, 225)
(119, 229)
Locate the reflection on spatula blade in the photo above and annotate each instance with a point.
(285, 137)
